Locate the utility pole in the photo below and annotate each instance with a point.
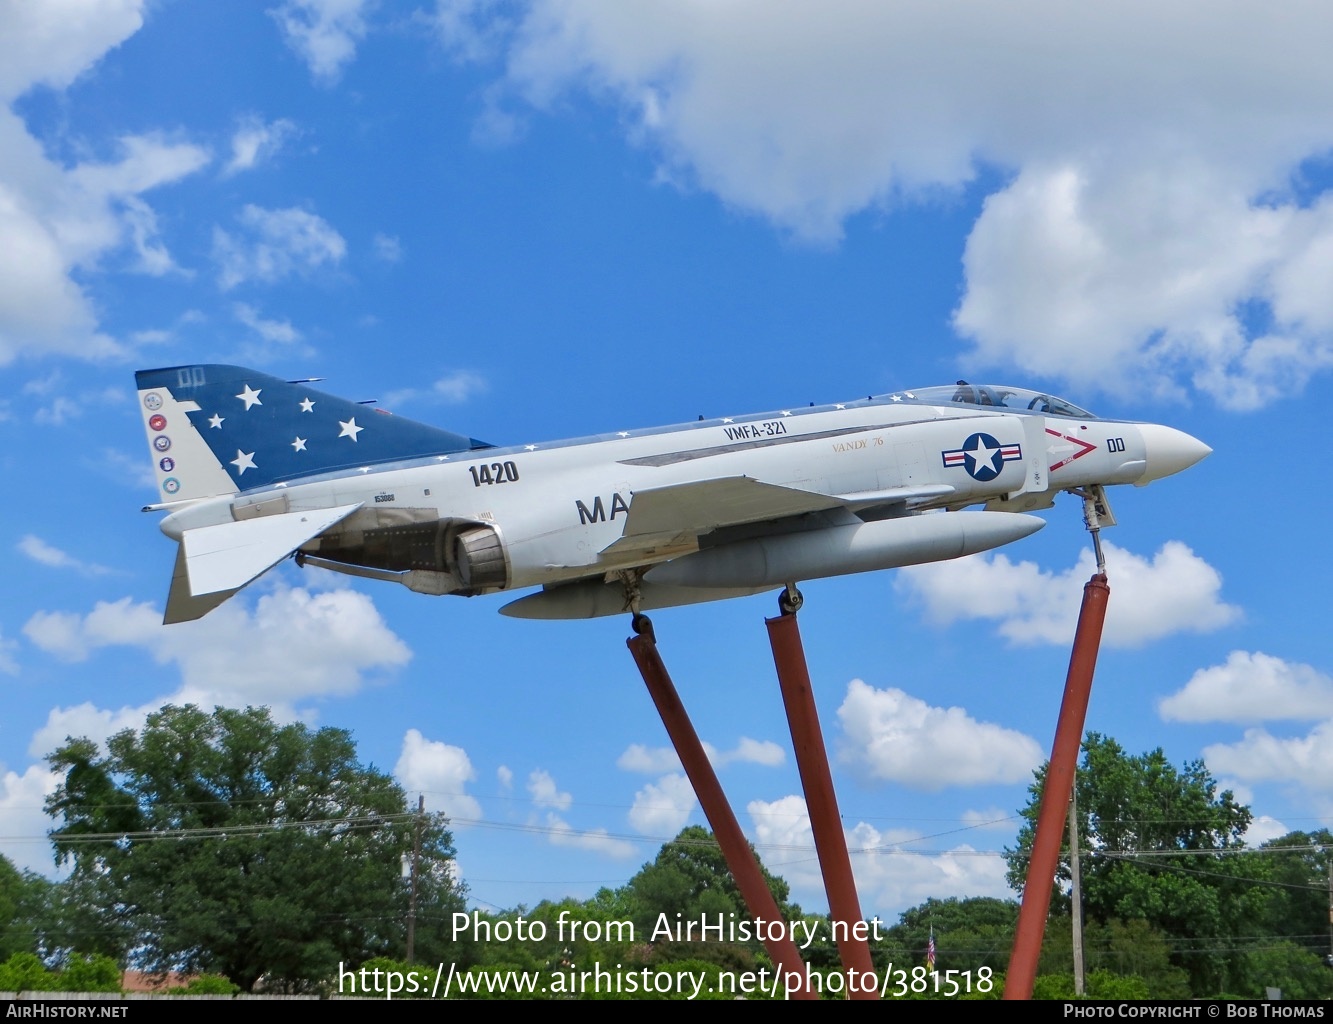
(1076, 894)
(412, 897)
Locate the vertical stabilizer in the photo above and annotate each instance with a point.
(217, 429)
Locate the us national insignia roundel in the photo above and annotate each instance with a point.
(982, 456)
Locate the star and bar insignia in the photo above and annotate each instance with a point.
(982, 456)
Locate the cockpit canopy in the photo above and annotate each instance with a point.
(993, 396)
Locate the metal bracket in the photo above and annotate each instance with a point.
(630, 580)
(1096, 515)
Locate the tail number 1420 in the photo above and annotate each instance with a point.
(494, 473)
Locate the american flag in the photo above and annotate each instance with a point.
(930, 952)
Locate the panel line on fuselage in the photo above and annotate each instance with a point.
(673, 458)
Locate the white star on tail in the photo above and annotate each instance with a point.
(350, 429)
(307, 405)
(243, 461)
(250, 397)
(215, 421)
(298, 445)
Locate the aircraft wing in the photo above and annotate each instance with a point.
(214, 562)
(666, 518)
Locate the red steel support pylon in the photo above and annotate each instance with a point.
(1055, 793)
(740, 858)
(822, 805)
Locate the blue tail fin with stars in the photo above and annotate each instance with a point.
(217, 429)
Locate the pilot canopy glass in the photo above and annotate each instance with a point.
(995, 396)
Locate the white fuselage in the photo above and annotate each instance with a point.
(559, 506)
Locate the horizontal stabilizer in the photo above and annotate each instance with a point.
(181, 605)
(227, 557)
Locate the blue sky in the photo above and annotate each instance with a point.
(532, 220)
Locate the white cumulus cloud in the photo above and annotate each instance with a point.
(387, 248)
(59, 222)
(663, 807)
(1175, 591)
(291, 646)
(280, 332)
(648, 760)
(596, 840)
(46, 554)
(65, 407)
(545, 793)
(454, 388)
(1264, 829)
(439, 770)
(1251, 688)
(324, 33)
(458, 386)
(1151, 156)
(891, 736)
(1306, 761)
(658, 760)
(993, 818)
(889, 875)
(257, 141)
(87, 720)
(23, 822)
(275, 244)
(748, 751)
(1131, 277)
(54, 42)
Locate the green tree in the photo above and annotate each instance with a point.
(24, 972)
(23, 905)
(1124, 948)
(1132, 805)
(229, 844)
(94, 973)
(1284, 965)
(1298, 866)
(969, 933)
(690, 878)
(1138, 816)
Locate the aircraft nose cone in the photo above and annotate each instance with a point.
(1168, 451)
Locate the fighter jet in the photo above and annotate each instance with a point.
(253, 469)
